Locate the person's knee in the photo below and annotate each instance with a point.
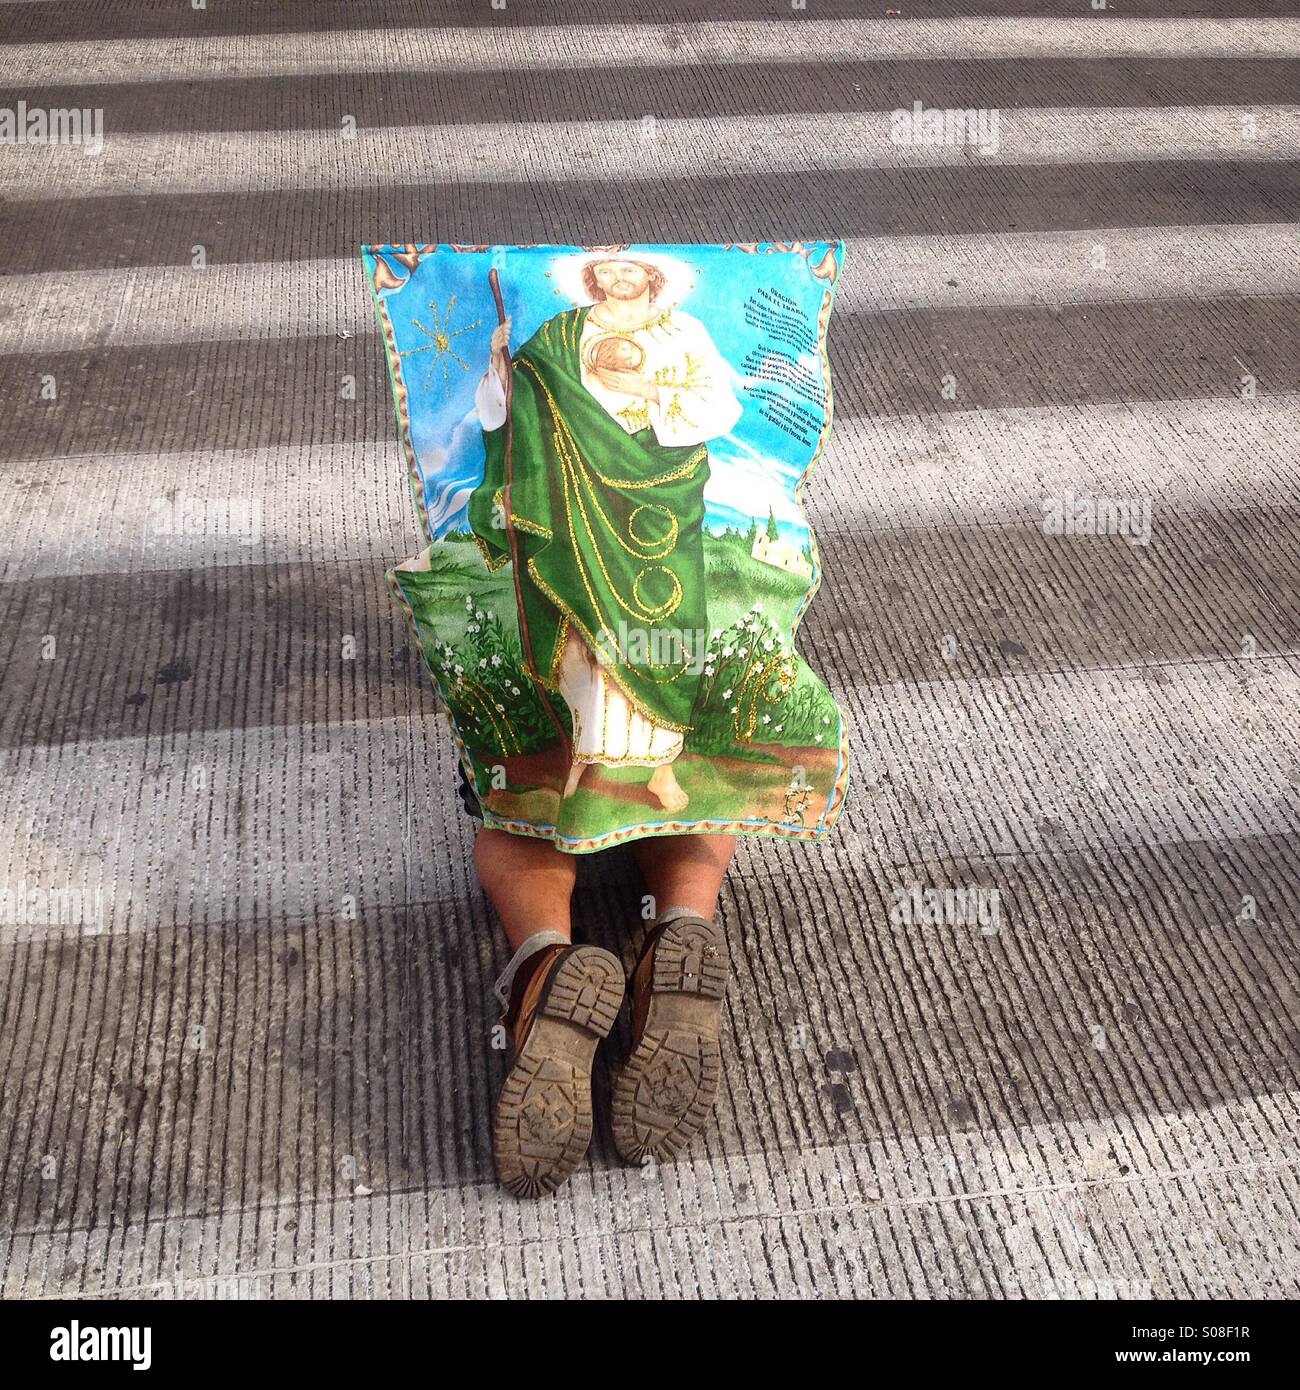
(722, 847)
(491, 859)
(693, 849)
(502, 859)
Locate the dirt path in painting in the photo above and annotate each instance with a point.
(770, 781)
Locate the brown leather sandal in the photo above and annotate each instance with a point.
(559, 1011)
(665, 1092)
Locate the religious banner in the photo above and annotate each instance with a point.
(606, 449)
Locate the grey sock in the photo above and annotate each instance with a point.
(671, 914)
(539, 941)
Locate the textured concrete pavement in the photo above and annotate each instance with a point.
(245, 1031)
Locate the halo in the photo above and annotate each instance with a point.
(679, 278)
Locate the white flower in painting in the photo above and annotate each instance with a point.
(496, 660)
(460, 670)
(514, 690)
(735, 709)
(826, 719)
(778, 728)
(482, 661)
(728, 651)
(767, 719)
(478, 616)
(708, 670)
(717, 632)
(726, 694)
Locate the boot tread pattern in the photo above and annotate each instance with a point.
(543, 1116)
(664, 1094)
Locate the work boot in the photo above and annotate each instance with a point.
(561, 1000)
(665, 1092)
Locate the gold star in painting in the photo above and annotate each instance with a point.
(440, 338)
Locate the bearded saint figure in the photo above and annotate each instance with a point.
(612, 405)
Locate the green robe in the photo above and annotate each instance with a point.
(609, 527)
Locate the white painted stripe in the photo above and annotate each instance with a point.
(70, 310)
(995, 467)
(102, 514)
(129, 513)
(254, 845)
(516, 46)
(1060, 1209)
(957, 768)
(266, 161)
(1070, 267)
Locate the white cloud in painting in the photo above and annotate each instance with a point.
(745, 481)
(446, 492)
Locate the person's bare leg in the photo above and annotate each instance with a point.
(685, 870)
(528, 882)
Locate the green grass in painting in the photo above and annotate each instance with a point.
(715, 791)
(753, 690)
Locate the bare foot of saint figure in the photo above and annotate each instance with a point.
(663, 785)
(575, 776)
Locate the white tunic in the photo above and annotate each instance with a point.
(606, 728)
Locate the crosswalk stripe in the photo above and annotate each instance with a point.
(128, 513)
(996, 467)
(316, 504)
(881, 1197)
(1077, 760)
(69, 310)
(975, 198)
(759, 92)
(521, 46)
(900, 362)
(521, 153)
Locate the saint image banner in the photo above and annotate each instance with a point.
(606, 448)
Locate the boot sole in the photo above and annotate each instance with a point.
(543, 1115)
(665, 1092)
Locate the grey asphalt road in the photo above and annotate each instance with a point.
(244, 964)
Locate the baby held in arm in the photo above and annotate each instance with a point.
(614, 354)
(615, 363)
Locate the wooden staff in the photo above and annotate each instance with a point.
(512, 539)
